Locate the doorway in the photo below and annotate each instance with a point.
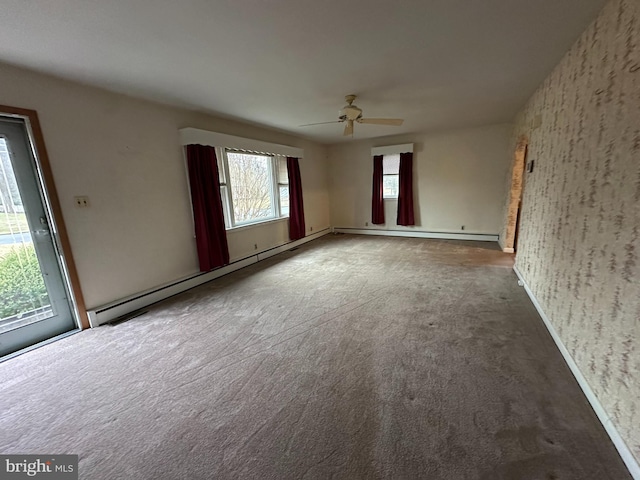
(519, 216)
(36, 301)
(514, 213)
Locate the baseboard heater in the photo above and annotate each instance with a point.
(483, 237)
(119, 308)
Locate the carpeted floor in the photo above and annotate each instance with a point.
(351, 357)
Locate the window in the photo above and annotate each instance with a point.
(283, 186)
(10, 200)
(253, 186)
(391, 175)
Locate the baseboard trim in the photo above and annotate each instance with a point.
(483, 237)
(111, 311)
(621, 446)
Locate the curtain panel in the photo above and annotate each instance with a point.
(204, 180)
(377, 200)
(405, 195)
(296, 206)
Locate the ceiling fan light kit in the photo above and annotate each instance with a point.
(351, 113)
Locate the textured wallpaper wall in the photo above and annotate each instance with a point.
(580, 237)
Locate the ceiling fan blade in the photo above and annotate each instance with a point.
(382, 121)
(348, 128)
(320, 123)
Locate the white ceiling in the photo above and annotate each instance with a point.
(436, 63)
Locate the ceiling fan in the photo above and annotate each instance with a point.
(351, 113)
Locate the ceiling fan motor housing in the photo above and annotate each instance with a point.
(350, 112)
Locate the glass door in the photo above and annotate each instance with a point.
(34, 299)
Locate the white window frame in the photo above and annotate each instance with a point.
(392, 150)
(397, 175)
(226, 189)
(222, 141)
(278, 183)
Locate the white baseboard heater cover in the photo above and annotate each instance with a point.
(483, 237)
(106, 313)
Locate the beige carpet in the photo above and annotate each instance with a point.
(352, 357)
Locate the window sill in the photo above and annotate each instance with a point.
(256, 224)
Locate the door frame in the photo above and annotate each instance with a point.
(36, 141)
(521, 198)
(516, 193)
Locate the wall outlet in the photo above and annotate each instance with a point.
(81, 202)
(366, 224)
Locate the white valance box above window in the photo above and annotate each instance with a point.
(195, 136)
(392, 149)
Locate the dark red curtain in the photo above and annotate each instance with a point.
(377, 200)
(405, 195)
(211, 237)
(296, 206)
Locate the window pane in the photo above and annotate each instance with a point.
(10, 200)
(391, 164)
(283, 174)
(221, 175)
(250, 180)
(284, 200)
(225, 207)
(23, 294)
(390, 186)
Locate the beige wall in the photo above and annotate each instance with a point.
(459, 179)
(125, 155)
(579, 243)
